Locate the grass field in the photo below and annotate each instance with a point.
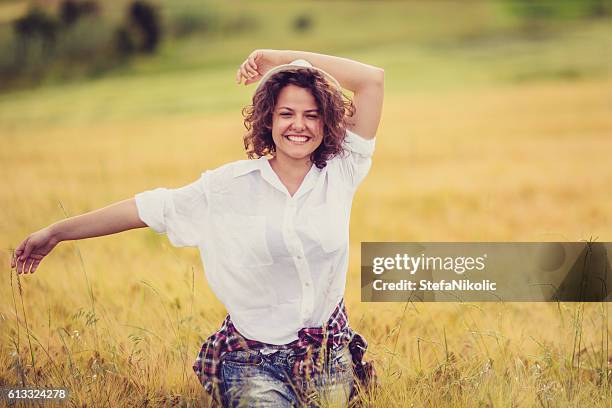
(487, 134)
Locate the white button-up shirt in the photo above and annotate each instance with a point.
(277, 262)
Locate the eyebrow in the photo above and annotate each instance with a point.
(307, 110)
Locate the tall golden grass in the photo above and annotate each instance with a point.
(119, 320)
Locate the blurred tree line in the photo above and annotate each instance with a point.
(547, 9)
(139, 33)
(535, 14)
(74, 36)
(67, 39)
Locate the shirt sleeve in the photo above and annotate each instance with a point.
(356, 160)
(179, 213)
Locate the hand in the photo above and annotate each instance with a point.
(32, 250)
(257, 64)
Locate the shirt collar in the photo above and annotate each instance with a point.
(246, 166)
(261, 164)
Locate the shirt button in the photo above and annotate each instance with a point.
(300, 257)
(307, 284)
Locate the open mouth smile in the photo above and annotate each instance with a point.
(298, 139)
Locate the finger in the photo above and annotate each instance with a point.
(15, 261)
(20, 248)
(239, 74)
(35, 266)
(28, 265)
(23, 258)
(256, 56)
(34, 261)
(250, 69)
(27, 251)
(244, 71)
(16, 256)
(250, 72)
(252, 63)
(252, 80)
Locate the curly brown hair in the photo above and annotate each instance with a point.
(334, 108)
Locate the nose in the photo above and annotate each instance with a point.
(298, 123)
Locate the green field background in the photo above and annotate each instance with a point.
(495, 127)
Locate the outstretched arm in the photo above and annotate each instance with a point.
(115, 218)
(365, 81)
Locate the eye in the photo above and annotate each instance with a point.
(285, 114)
(312, 116)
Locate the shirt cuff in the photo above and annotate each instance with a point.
(358, 144)
(150, 205)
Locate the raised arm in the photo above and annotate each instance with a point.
(115, 218)
(365, 81)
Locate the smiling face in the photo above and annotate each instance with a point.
(297, 103)
(297, 128)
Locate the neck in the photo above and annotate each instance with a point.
(290, 169)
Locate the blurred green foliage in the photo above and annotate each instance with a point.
(560, 9)
(213, 33)
(535, 15)
(303, 23)
(69, 40)
(141, 31)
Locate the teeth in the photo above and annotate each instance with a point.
(297, 138)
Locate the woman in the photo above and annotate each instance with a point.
(272, 232)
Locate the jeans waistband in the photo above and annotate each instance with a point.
(289, 355)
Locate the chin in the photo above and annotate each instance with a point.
(298, 155)
(297, 152)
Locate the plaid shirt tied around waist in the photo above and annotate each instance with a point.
(309, 349)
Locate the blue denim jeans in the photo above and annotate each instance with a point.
(264, 379)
